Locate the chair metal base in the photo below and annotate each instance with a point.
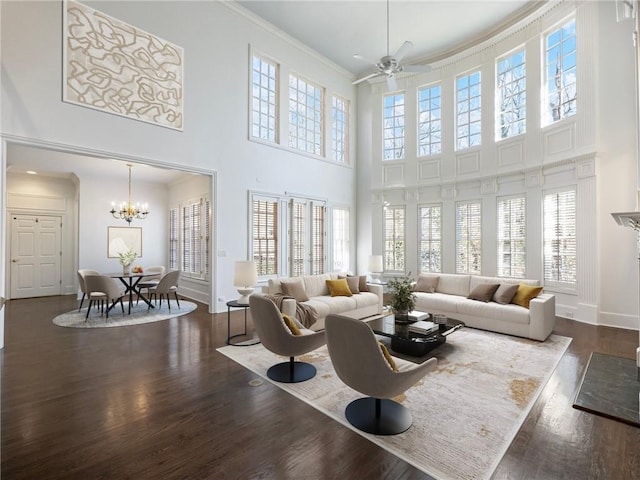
(378, 416)
(291, 372)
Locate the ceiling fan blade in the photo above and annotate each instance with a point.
(391, 82)
(416, 68)
(365, 59)
(366, 77)
(403, 51)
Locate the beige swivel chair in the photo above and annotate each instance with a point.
(277, 338)
(151, 278)
(360, 363)
(167, 285)
(96, 295)
(112, 290)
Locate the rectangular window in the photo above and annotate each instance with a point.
(264, 223)
(317, 239)
(469, 110)
(394, 241)
(264, 99)
(393, 127)
(560, 236)
(191, 239)
(468, 237)
(174, 239)
(511, 95)
(298, 244)
(340, 130)
(340, 239)
(429, 121)
(430, 238)
(306, 116)
(511, 237)
(560, 73)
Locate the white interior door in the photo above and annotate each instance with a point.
(35, 255)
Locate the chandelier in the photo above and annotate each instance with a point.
(127, 211)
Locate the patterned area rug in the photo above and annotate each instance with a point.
(139, 314)
(465, 413)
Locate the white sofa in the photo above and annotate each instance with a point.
(359, 305)
(450, 298)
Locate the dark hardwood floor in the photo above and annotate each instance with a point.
(157, 401)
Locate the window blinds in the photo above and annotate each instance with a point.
(468, 237)
(560, 236)
(511, 237)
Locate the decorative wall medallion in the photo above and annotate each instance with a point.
(114, 67)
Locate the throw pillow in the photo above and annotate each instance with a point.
(352, 282)
(295, 289)
(339, 288)
(362, 284)
(505, 293)
(484, 292)
(525, 294)
(426, 283)
(388, 357)
(291, 325)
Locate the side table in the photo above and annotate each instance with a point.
(234, 304)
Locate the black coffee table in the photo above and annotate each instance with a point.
(411, 343)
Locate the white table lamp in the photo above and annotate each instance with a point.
(375, 267)
(245, 277)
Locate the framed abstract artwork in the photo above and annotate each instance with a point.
(122, 239)
(117, 68)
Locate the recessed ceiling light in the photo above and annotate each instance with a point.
(31, 172)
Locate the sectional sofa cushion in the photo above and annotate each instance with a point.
(295, 289)
(426, 283)
(339, 288)
(505, 293)
(353, 283)
(525, 294)
(483, 292)
(454, 284)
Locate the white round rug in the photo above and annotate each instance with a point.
(139, 315)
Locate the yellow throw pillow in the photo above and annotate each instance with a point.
(291, 325)
(388, 357)
(339, 288)
(525, 294)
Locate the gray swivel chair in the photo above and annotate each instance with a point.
(360, 363)
(277, 338)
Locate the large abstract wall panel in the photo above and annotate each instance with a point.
(111, 66)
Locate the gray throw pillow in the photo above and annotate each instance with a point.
(362, 284)
(295, 289)
(426, 283)
(484, 292)
(505, 293)
(352, 282)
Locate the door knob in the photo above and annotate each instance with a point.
(14, 260)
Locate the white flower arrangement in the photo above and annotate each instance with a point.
(127, 258)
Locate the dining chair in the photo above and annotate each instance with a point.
(152, 277)
(112, 290)
(96, 295)
(168, 284)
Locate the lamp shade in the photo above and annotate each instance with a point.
(375, 263)
(245, 274)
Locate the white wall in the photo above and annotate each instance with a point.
(216, 39)
(594, 151)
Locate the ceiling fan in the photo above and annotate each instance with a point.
(389, 65)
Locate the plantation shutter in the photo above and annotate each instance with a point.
(394, 244)
(317, 239)
(191, 234)
(430, 241)
(468, 238)
(298, 243)
(512, 237)
(174, 236)
(265, 236)
(560, 236)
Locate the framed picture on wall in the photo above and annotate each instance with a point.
(122, 239)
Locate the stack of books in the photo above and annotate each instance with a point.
(424, 327)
